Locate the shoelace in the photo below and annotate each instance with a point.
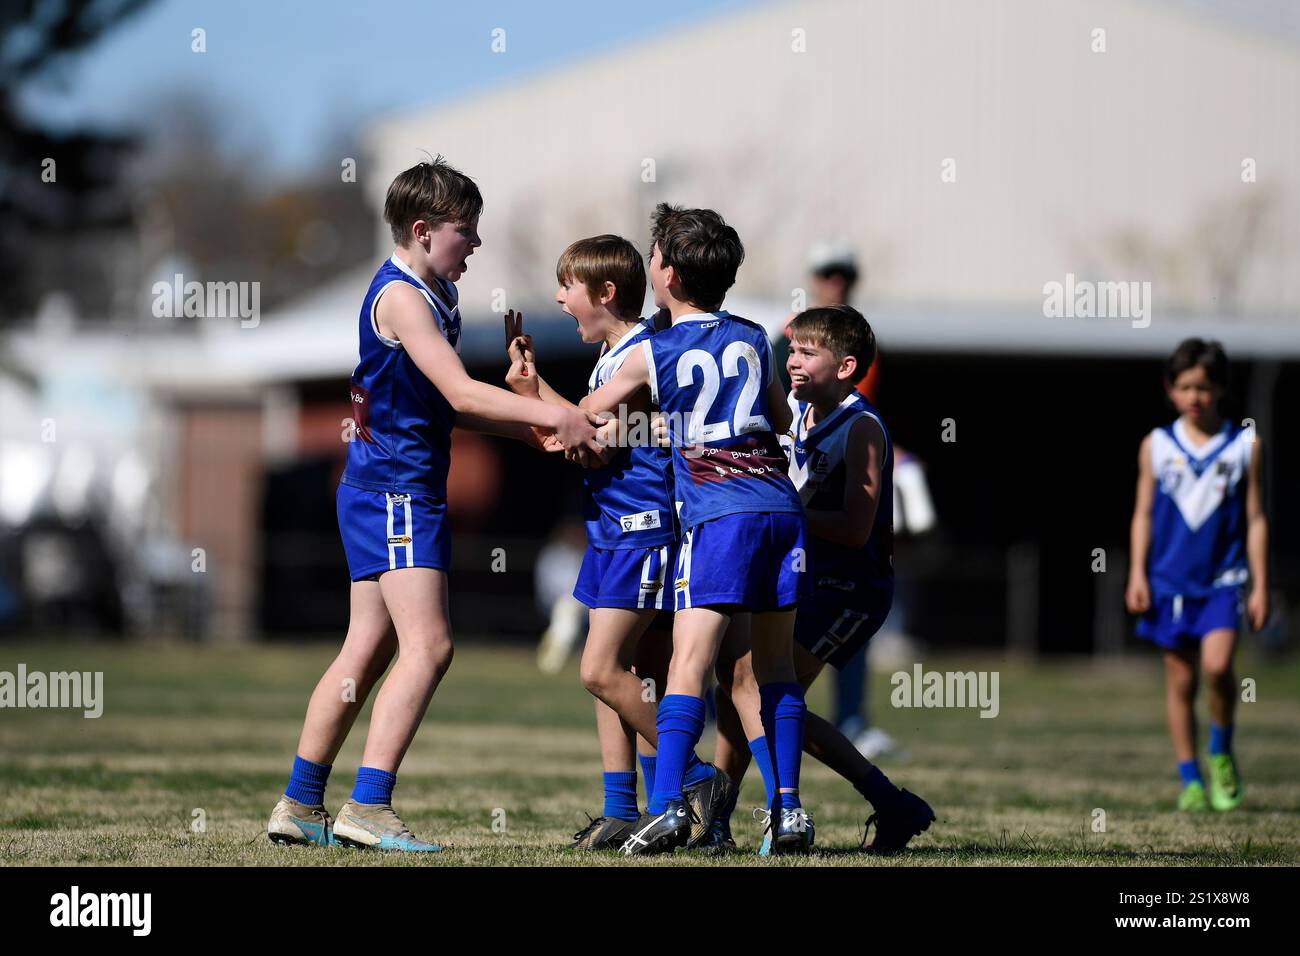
(866, 829)
(592, 823)
(766, 817)
(402, 828)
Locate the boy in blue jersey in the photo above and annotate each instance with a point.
(742, 546)
(841, 462)
(1198, 534)
(408, 390)
(632, 541)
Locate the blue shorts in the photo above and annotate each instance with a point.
(1176, 622)
(833, 623)
(630, 578)
(384, 531)
(757, 560)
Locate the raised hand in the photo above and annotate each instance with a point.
(514, 323)
(522, 377)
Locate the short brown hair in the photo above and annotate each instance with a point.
(704, 250)
(436, 192)
(841, 329)
(602, 259)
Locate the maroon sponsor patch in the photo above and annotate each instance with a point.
(751, 456)
(361, 413)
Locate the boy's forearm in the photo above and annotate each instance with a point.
(485, 401)
(1257, 552)
(549, 394)
(515, 430)
(1139, 546)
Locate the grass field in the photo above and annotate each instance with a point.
(214, 729)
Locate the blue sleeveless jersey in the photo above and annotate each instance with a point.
(1198, 518)
(402, 434)
(628, 503)
(818, 471)
(709, 375)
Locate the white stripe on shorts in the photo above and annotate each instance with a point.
(410, 532)
(663, 577)
(652, 580)
(683, 597)
(392, 551)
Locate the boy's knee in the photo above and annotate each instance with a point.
(598, 675)
(437, 653)
(1218, 673)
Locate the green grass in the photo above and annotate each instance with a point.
(214, 729)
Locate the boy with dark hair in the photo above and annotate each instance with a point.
(742, 546)
(1198, 534)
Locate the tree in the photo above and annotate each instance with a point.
(51, 182)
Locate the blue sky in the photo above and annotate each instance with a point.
(284, 75)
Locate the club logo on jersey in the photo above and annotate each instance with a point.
(1170, 478)
(643, 521)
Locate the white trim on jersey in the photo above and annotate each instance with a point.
(773, 373)
(374, 321)
(444, 310)
(1203, 451)
(650, 371)
(1197, 497)
(608, 356)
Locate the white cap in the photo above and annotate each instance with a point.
(828, 255)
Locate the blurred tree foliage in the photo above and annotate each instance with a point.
(179, 189)
(87, 194)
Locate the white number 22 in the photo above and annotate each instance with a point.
(743, 419)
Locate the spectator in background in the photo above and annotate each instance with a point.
(554, 575)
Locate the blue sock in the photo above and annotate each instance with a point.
(680, 724)
(1220, 739)
(620, 795)
(1190, 771)
(374, 786)
(878, 789)
(648, 772)
(763, 757)
(307, 781)
(784, 713)
(697, 771)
